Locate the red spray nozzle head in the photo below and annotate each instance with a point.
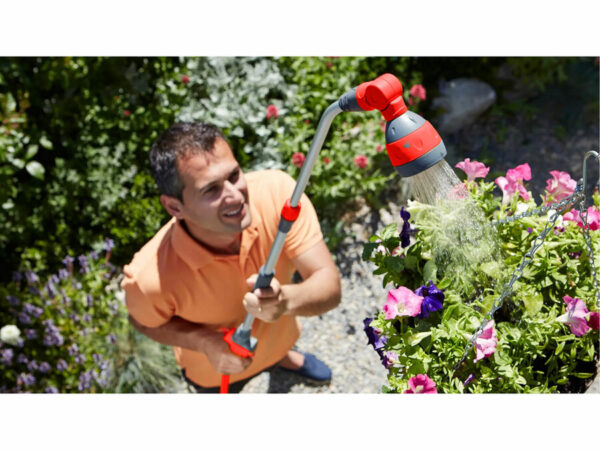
(384, 93)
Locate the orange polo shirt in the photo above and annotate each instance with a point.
(174, 275)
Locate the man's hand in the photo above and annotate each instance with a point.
(266, 304)
(222, 358)
(198, 338)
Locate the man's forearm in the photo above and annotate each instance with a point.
(316, 295)
(180, 333)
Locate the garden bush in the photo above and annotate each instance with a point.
(70, 333)
(448, 266)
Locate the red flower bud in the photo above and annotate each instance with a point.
(298, 159)
(326, 160)
(185, 79)
(272, 111)
(361, 161)
(127, 113)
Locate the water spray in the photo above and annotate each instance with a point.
(413, 146)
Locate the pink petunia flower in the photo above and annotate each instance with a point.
(298, 159)
(272, 111)
(486, 342)
(513, 182)
(418, 91)
(361, 161)
(593, 218)
(575, 316)
(402, 302)
(421, 384)
(559, 187)
(593, 320)
(379, 148)
(473, 169)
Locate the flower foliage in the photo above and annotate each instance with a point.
(542, 338)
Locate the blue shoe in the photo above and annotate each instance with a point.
(314, 370)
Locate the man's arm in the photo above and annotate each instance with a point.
(318, 293)
(182, 333)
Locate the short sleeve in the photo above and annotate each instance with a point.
(149, 309)
(305, 232)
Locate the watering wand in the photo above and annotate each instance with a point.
(413, 145)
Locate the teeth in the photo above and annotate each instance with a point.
(235, 212)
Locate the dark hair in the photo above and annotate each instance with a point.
(179, 140)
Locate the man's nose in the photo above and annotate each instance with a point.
(232, 191)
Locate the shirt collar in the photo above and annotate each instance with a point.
(197, 255)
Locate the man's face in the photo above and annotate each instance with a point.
(215, 195)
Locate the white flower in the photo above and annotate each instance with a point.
(10, 334)
(559, 221)
(522, 207)
(120, 295)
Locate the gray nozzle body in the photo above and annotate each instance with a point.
(347, 102)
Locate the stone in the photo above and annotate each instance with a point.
(462, 100)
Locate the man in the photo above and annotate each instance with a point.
(194, 276)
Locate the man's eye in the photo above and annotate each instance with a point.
(210, 190)
(234, 177)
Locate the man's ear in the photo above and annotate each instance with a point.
(173, 205)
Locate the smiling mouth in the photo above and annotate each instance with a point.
(235, 213)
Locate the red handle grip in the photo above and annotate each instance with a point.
(237, 350)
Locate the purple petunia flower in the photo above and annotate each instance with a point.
(433, 299)
(61, 365)
(85, 380)
(85, 332)
(68, 261)
(17, 276)
(31, 277)
(97, 358)
(405, 232)
(376, 339)
(25, 378)
(113, 339)
(32, 365)
(74, 317)
(109, 244)
(30, 333)
(80, 359)
(24, 318)
(12, 300)
(90, 300)
(50, 289)
(22, 359)
(469, 379)
(87, 318)
(6, 356)
(83, 262)
(389, 359)
(51, 390)
(73, 349)
(529, 230)
(45, 367)
(63, 274)
(52, 334)
(93, 255)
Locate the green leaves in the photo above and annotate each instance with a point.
(35, 169)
